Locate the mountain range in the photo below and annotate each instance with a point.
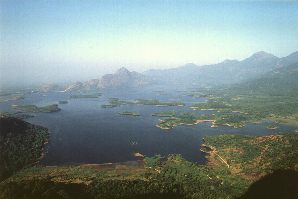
(226, 73)
(121, 79)
(282, 81)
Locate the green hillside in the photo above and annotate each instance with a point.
(274, 96)
(248, 159)
(21, 145)
(281, 81)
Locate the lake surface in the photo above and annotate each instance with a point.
(84, 132)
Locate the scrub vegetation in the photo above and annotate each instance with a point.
(249, 158)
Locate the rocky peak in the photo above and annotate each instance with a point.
(262, 55)
(122, 71)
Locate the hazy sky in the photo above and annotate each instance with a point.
(68, 39)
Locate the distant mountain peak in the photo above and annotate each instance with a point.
(262, 55)
(294, 54)
(123, 78)
(122, 70)
(290, 59)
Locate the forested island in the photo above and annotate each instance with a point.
(129, 113)
(36, 109)
(155, 102)
(115, 102)
(80, 96)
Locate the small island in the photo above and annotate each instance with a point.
(5, 97)
(272, 126)
(35, 109)
(173, 119)
(231, 119)
(79, 96)
(165, 114)
(18, 115)
(156, 102)
(130, 113)
(177, 119)
(116, 102)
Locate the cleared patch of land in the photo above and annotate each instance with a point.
(252, 157)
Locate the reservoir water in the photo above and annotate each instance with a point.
(84, 132)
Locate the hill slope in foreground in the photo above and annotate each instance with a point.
(21, 144)
(235, 162)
